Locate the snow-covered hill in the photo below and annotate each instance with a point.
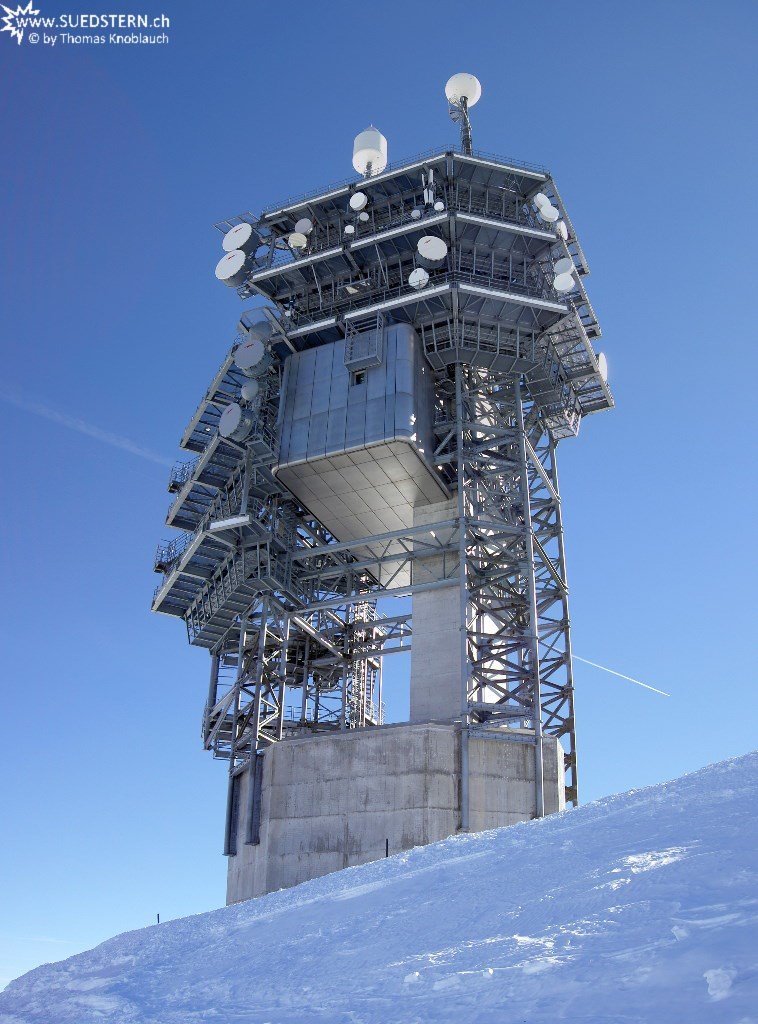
(641, 907)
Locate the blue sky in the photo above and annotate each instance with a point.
(115, 164)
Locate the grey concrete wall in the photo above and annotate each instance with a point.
(332, 801)
(436, 648)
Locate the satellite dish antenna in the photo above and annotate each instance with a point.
(304, 226)
(418, 278)
(260, 328)
(370, 152)
(564, 283)
(602, 365)
(564, 265)
(363, 217)
(358, 201)
(230, 269)
(416, 214)
(250, 390)
(242, 237)
(432, 249)
(548, 213)
(463, 91)
(439, 206)
(297, 240)
(252, 357)
(561, 230)
(349, 229)
(541, 200)
(235, 422)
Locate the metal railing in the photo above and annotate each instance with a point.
(392, 168)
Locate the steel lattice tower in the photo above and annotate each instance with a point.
(288, 588)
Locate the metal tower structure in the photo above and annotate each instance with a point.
(289, 556)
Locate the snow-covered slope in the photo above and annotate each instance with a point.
(641, 907)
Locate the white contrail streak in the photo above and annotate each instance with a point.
(620, 675)
(82, 427)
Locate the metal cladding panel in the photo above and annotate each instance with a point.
(353, 450)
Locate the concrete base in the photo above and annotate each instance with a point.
(339, 799)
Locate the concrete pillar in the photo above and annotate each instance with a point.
(435, 653)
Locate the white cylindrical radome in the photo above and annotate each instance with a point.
(370, 151)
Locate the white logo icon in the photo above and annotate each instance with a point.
(15, 21)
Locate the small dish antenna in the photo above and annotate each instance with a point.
(439, 206)
(463, 91)
(541, 200)
(250, 390)
(358, 201)
(564, 265)
(230, 269)
(297, 240)
(602, 365)
(304, 226)
(370, 152)
(363, 217)
(548, 213)
(564, 282)
(561, 230)
(418, 278)
(349, 229)
(416, 214)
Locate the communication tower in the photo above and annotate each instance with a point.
(385, 426)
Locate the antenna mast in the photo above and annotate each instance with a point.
(463, 91)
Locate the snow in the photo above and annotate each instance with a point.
(636, 908)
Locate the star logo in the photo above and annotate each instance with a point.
(15, 21)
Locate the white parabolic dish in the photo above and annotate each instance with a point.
(231, 268)
(249, 356)
(564, 282)
(358, 200)
(234, 422)
(463, 87)
(432, 248)
(297, 240)
(602, 365)
(418, 278)
(565, 265)
(304, 226)
(239, 237)
(548, 213)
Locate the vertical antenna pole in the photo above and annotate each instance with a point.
(466, 143)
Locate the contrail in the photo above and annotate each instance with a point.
(620, 675)
(82, 427)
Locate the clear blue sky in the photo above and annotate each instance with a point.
(115, 164)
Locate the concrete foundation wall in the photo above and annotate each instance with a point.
(335, 800)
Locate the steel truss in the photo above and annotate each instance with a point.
(296, 622)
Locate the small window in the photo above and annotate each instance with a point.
(358, 377)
